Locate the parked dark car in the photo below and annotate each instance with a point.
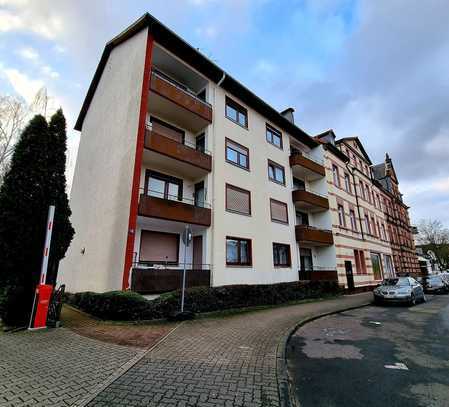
(400, 290)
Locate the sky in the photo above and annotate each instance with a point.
(378, 69)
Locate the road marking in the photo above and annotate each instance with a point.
(375, 322)
(397, 366)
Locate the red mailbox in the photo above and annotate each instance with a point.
(43, 298)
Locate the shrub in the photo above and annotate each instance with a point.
(15, 306)
(130, 306)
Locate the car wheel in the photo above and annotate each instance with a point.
(412, 299)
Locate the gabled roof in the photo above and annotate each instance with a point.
(330, 146)
(175, 44)
(359, 143)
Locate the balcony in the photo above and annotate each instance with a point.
(318, 274)
(171, 155)
(309, 201)
(177, 104)
(305, 167)
(159, 280)
(310, 236)
(186, 210)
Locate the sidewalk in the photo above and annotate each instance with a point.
(228, 361)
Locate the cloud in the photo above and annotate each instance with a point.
(22, 84)
(21, 17)
(48, 71)
(28, 53)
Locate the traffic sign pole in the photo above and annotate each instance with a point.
(186, 238)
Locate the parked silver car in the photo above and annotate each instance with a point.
(435, 284)
(401, 289)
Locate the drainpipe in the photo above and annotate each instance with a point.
(356, 200)
(222, 79)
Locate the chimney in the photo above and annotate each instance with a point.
(288, 114)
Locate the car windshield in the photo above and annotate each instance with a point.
(397, 282)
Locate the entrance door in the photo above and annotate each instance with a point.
(349, 275)
(197, 252)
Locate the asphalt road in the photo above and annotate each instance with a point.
(374, 356)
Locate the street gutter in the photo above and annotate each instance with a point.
(287, 395)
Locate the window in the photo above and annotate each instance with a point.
(299, 184)
(278, 211)
(236, 113)
(159, 247)
(373, 222)
(384, 234)
(238, 251)
(377, 266)
(341, 215)
(238, 200)
(362, 190)
(163, 186)
(353, 220)
(200, 143)
(360, 263)
(274, 136)
(281, 255)
(237, 154)
(335, 175)
(368, 196)
(276, 172)
(302, 218)
(367, 225)
(347, 183)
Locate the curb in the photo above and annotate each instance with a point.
(287, 396)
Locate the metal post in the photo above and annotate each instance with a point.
(186, 238)
(184, 274)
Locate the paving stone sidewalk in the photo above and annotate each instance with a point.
(228, 361)
(55, 367)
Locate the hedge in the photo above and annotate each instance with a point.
(130, 306)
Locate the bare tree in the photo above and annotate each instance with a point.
(432, 231)
(13, 113)
(40, 102)
(432, 235)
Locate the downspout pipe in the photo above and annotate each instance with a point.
(356, 200)
(222, 79)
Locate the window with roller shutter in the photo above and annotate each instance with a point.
(238, 200)
(279, 211)
(159, 247)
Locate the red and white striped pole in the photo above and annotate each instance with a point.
(51, 216)
(43, 292)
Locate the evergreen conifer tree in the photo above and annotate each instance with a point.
(35, 180)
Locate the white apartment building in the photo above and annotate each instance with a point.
(169, 140)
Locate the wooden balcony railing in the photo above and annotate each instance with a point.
(318, 274)
(159, 280)
(171, 148)
(185, 211)
(311, 236)
(180, 96)
(310, 201)
(306, 167)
